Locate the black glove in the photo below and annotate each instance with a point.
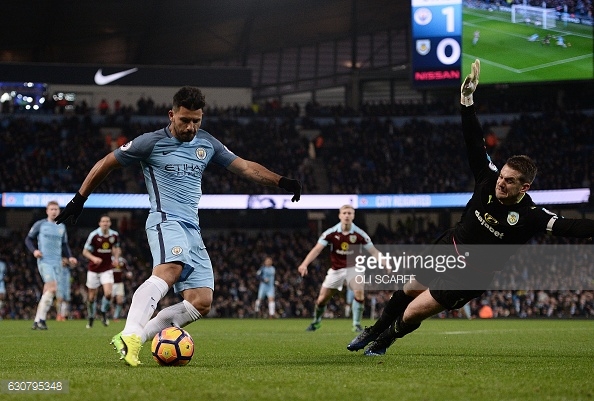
(291, 185)
(72, 210)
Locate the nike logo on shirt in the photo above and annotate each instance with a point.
(101, 79)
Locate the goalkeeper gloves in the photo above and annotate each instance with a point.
(470, 83)
(291, 185)
(72, 210)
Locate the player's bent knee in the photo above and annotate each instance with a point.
(201, 304)
(202, 308)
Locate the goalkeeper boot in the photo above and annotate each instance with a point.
(367, 335)
(119, 345)
(313, 326)
(132, 345)
(383, 342)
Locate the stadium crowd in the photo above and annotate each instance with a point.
(360, 151)
(360, 155)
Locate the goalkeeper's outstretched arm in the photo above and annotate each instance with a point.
(470, 83)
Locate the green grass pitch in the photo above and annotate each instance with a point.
(508, 57)
(260, 359)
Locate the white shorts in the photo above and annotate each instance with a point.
(118, 290)
(95, 280)
(335, 279)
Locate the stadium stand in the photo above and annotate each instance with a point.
(362, 152)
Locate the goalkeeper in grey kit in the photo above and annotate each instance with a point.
(500, 211)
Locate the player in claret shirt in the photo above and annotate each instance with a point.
(102, 244)
(342, 238)
(500, 212)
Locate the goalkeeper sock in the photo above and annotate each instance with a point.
(179, 315)
(394, 308)
(319, 313)
(401, 329)
(144, 303)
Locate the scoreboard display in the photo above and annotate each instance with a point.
(436, 42)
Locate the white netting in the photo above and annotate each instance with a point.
(540, 16)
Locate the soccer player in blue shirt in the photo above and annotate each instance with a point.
(173, 160)
(52, 242)
(266, 274)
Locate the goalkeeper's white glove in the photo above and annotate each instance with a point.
(470, 83)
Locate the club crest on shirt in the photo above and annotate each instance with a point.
(512, 218)
(201, 153)
(352, 238)
(177, 250)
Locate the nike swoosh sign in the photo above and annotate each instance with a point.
(101, 79)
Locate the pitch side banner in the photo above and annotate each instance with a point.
(283, 201)
(141, 201)
(388, 201)
(126, 75)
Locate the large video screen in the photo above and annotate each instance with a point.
(436, 42)
(516, 41)
(526, 43)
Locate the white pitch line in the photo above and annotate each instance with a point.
(525, 330)
(528, 69)
(502, 66)
(558, 62)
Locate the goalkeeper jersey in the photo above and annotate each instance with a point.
(485, 220)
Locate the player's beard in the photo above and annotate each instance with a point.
(184, 136)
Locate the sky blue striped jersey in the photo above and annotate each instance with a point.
(266, 274)
(173, 171)
(51, 238)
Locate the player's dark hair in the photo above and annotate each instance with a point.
(525, 166)
(189, 97)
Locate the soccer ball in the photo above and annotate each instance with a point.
(172, 347)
